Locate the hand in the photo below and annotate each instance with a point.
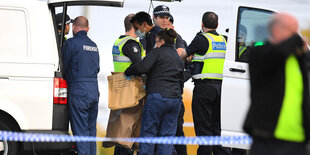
(182, 53)
(190, 58)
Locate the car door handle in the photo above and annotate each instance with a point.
(237, 70)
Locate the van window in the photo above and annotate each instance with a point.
(251, 29)
(13, 30)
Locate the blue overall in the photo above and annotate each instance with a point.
(81, 66)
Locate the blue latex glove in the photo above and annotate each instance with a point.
(128, 77)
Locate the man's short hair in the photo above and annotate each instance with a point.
(210, 20)
(127, 23)
(81, 21)
(142, 17)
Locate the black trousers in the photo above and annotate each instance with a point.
(180, 149)
(206, 114)
(277, 147)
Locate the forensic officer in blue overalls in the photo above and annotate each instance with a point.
(81, 66)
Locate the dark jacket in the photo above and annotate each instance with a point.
(149, 41)
(267, 80)
(164, 69)
(80, 58)
(179, 42)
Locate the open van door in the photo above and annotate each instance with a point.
(64, 4)
(235, 100)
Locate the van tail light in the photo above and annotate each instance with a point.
(60, 91)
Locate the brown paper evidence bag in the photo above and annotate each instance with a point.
(126, 99)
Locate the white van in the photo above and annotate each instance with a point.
(33, 94)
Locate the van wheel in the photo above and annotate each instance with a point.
(8, 148)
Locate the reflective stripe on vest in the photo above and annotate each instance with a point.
(120, 61)
(207, 75)
(213, 60)
(241, 50)
(210, 56)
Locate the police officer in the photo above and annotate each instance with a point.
(164, 70)
(59, 24)
(243, 49)
(81, 67)
(127, 50)
(145, 30)
(208, 48)
(163, 19)
(161, 16)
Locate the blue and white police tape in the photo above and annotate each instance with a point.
(201, 140)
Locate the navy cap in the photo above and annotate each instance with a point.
(59, 19)
(161, 10)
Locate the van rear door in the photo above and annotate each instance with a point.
(53, 4)
(60, 117)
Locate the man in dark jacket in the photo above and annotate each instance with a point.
(279, 115)
(145, 30)
(81, 67)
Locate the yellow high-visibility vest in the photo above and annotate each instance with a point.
(120, 61)
(213, 60)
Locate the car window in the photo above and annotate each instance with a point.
(252, 28)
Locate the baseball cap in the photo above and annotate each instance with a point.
(59, 19)
(161, 10)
